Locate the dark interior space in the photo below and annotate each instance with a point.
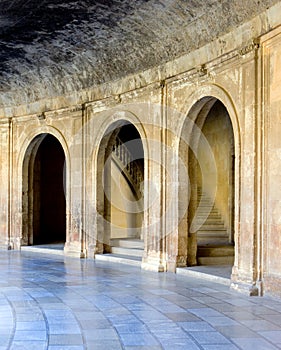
(49, 216)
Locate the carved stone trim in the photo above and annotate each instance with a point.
(202, 70)
(63, 111)
(254, 45)
(41, 116)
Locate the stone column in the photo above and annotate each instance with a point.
(154, 188)
(5, 167)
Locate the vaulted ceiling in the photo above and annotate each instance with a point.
(52, 47)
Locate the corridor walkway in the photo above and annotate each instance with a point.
(52, 302)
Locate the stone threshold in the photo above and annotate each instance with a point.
(55, 249)
(121, 259)
(215, 273)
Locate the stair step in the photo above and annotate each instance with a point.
(212, 238)
(207, 215)
(127, 243)
(213, 227)
(210, 216)
(201, 214)
(205, 210)
(209, 221)
(127, 251)
(210, 210)
(217, 260)
(215, 250)
(212, 233)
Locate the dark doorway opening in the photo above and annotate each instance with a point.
(46, 205)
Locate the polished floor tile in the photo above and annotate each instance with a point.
(54, 302)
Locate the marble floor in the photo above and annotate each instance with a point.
(53, 302)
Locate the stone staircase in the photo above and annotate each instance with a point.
(213, 247)
(127, 247)
(125, 251)
(211, 225)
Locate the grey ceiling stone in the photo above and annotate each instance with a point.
(51, 47)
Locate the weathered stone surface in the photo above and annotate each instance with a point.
(50, 48)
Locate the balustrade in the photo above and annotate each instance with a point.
(124, 155)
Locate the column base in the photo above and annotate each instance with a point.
(244, 284)
(14, 243)
(74, 249)
(5, 246)
(155, 264)
(93, 249)
(252, 290)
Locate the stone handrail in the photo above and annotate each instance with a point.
(129, 165)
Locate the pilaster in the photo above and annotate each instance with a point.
(5, 168)
(246, 272)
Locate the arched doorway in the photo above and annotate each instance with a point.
(43, 201)
(215, 237)
(120, 179)
(209, 153)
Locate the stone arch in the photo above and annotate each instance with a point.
(45, 130)
(123, 115)
(28, 163)
(112, 128)
(193, 104)
(190, 132)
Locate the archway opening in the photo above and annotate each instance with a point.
(215, 237)
(120, 191)
(44, 204)
(210, 160)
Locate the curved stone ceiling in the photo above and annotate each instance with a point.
(51, 47)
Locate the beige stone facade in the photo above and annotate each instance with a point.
(206, 122)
